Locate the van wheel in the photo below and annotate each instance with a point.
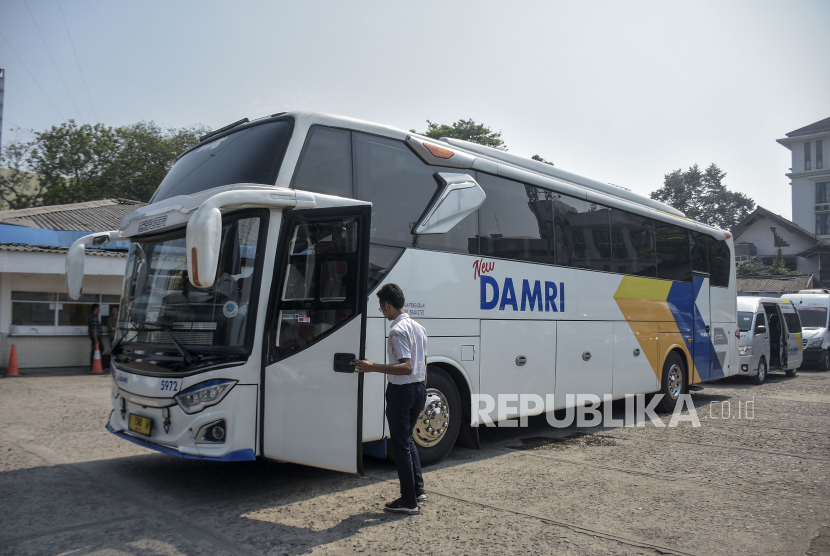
(791, 372)
(825, 361)
(439, 422)
(674, 382)
(762, 373)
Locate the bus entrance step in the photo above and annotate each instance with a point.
(695, 387)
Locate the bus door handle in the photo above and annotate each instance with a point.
(342, 362)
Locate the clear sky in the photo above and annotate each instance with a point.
(623, 91)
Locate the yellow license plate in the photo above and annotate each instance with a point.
(141, 425)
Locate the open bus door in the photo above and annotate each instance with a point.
(312, 400)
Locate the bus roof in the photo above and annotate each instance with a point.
(494, 154)
(494, 161)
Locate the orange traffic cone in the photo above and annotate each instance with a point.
(97, 368)
(11, 370)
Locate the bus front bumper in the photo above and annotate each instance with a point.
(173, 432)
(245, 454)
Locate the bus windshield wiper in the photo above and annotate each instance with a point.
(188, 357)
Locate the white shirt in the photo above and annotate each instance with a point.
(407, 340)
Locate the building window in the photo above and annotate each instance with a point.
(55, 313)
(807, 156)
(819, 155)
(822, 224)
(822, 193)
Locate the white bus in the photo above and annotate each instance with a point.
(246, 289)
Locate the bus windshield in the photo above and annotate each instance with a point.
(813, 317)
(251, 155)
(160, 306)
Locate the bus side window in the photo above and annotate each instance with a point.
(515, 221)
(673, 255)
(793, 322)
(582, 232)
(325, 165)
(399, 186)
(700, 256)
(632, 244)
(720, 261)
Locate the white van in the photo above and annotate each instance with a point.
(770, 337)
(813, 308)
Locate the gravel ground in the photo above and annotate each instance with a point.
(758, 485)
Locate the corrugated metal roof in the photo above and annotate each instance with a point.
(775, 284)
(92, 216)
(25, 248)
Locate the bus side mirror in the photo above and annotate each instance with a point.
(203, 241)
(74, 263)
(75, 269)
(459, 197)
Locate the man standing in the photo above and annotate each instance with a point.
(405, 394)
(93, 328)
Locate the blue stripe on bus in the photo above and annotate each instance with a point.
(246, 454)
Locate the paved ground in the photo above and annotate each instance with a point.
(732, 486)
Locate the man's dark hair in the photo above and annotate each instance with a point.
(94, 306)
(393, 295)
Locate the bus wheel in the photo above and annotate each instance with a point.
(791, 372)
(762, 372)
(674, 382)
(825, 361)
(438, 425)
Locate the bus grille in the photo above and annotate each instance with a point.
(189, 333)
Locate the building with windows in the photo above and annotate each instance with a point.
(810, 176)
(47, 328)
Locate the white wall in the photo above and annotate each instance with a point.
(803, 199)
(761, 236)
(44, 272)
(803, 182)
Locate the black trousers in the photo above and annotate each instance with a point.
(404, 402)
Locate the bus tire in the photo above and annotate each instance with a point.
(762, 372)
(442, 410)
(674, 382)
(791, 372)
(825, 361)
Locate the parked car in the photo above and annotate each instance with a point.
(813, 308)
(770, 337)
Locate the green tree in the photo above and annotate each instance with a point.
(19, 189)
(73, 162)
(144, 154)
(540, 159)
(467, 130)
(702, 196)
(754, 267)
(84, 163)
(778, 267)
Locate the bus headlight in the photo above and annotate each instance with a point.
(814, 343)
(206, 394)
(745, 350)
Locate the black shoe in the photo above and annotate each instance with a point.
(398, 506)
(420, 495)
